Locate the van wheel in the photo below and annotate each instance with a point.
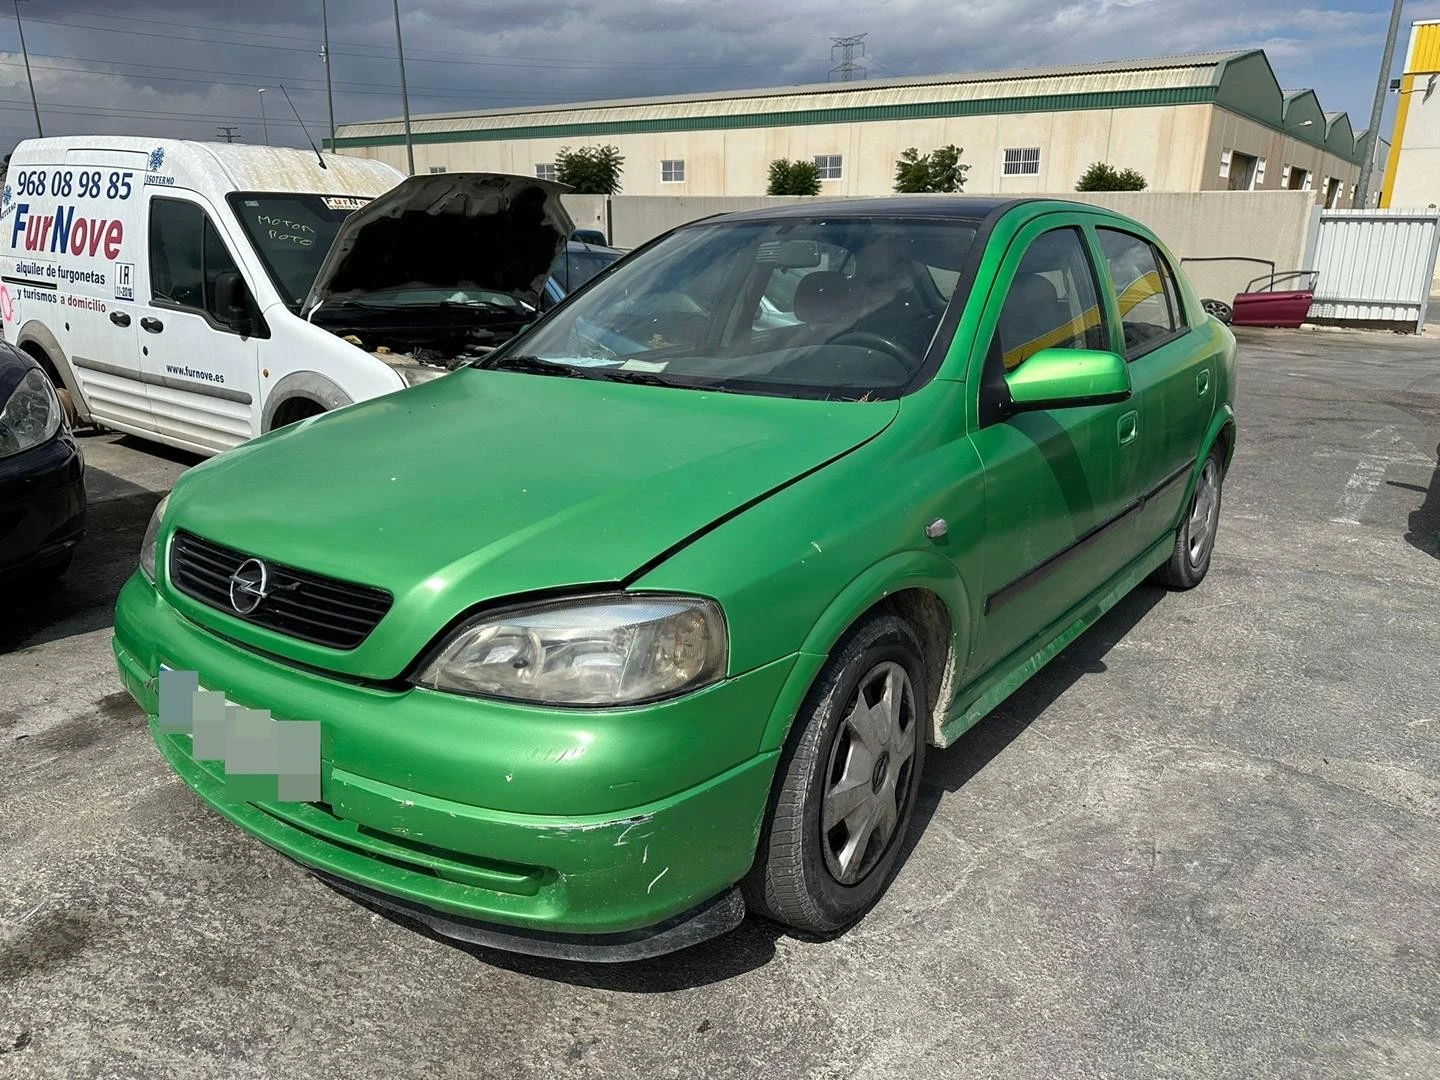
(846, 785)
(295, 410)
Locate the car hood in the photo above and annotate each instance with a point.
(448, 230)
(488, 484)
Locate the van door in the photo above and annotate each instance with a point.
(201, 374)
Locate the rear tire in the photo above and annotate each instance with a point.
(846, 785)
(1195, 539)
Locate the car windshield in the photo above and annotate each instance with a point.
(292, 234)
(577, 265)
(841, 307)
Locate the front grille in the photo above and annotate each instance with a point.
(301, 605)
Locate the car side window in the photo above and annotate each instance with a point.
(187, 254)
(1144, 289)
(1053, 301)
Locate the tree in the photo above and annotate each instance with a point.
(590, 170)
(1103, 177)
(938, 171)
(793, 178)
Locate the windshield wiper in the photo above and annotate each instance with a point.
(539, 366)
(534, 365)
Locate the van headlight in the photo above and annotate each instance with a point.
(30, 416)
(152, 539)
(616, 649)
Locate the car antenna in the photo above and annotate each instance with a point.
(318, 156)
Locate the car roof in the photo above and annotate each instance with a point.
(583, 245)
(911, 206)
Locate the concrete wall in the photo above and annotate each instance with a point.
(1263, 224)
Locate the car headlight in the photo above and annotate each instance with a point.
(616, 649)
(415, 374)
(31, 416)
(152, 539)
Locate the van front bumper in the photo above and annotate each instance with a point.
(614, 885)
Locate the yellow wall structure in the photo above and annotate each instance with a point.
(1413, 178)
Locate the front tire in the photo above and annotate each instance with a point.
(1195, 539)
(846, 786)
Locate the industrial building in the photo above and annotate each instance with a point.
(1187, 123)
(1413, 179)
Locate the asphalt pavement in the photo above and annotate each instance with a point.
(1203, 842)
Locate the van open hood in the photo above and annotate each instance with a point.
(448, 230)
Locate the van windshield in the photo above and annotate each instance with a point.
(292, 234)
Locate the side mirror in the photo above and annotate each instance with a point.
(1067, 378)
(232, 302)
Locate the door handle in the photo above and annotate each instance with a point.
(153, 326)
(1129, 427)
(119, 318)
(1202, 382)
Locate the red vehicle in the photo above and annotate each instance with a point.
(1270, 303)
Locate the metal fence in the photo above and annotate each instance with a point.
(1376, 267)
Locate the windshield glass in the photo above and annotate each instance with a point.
(577, 265)
(843, 307)
(292, 234)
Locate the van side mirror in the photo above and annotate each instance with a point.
(1068, 378)
(233, 306)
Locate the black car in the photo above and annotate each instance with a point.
(42, 474)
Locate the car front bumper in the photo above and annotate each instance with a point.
(616, 884)
(42, 504)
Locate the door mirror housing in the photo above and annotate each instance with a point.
(1068, 378)
(232, 302)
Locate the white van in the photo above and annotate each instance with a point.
(174, 289)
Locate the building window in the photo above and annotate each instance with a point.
(827, 166)
(437, 168)
(672, 171)
(1238, 170)
(545, 170)
(1022, 161)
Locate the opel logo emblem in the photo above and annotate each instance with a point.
(249, 585)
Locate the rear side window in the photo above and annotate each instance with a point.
(187, 253)
(1053, 302)
(1144, 290)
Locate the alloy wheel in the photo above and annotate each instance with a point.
(1204, 512)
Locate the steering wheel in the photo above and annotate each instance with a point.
(894, 350)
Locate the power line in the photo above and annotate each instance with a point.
(227, 134)
(843, 50)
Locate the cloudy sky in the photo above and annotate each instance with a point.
(183, 67)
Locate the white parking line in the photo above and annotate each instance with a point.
(1359, 488)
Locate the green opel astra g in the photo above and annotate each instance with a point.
(648, 617)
